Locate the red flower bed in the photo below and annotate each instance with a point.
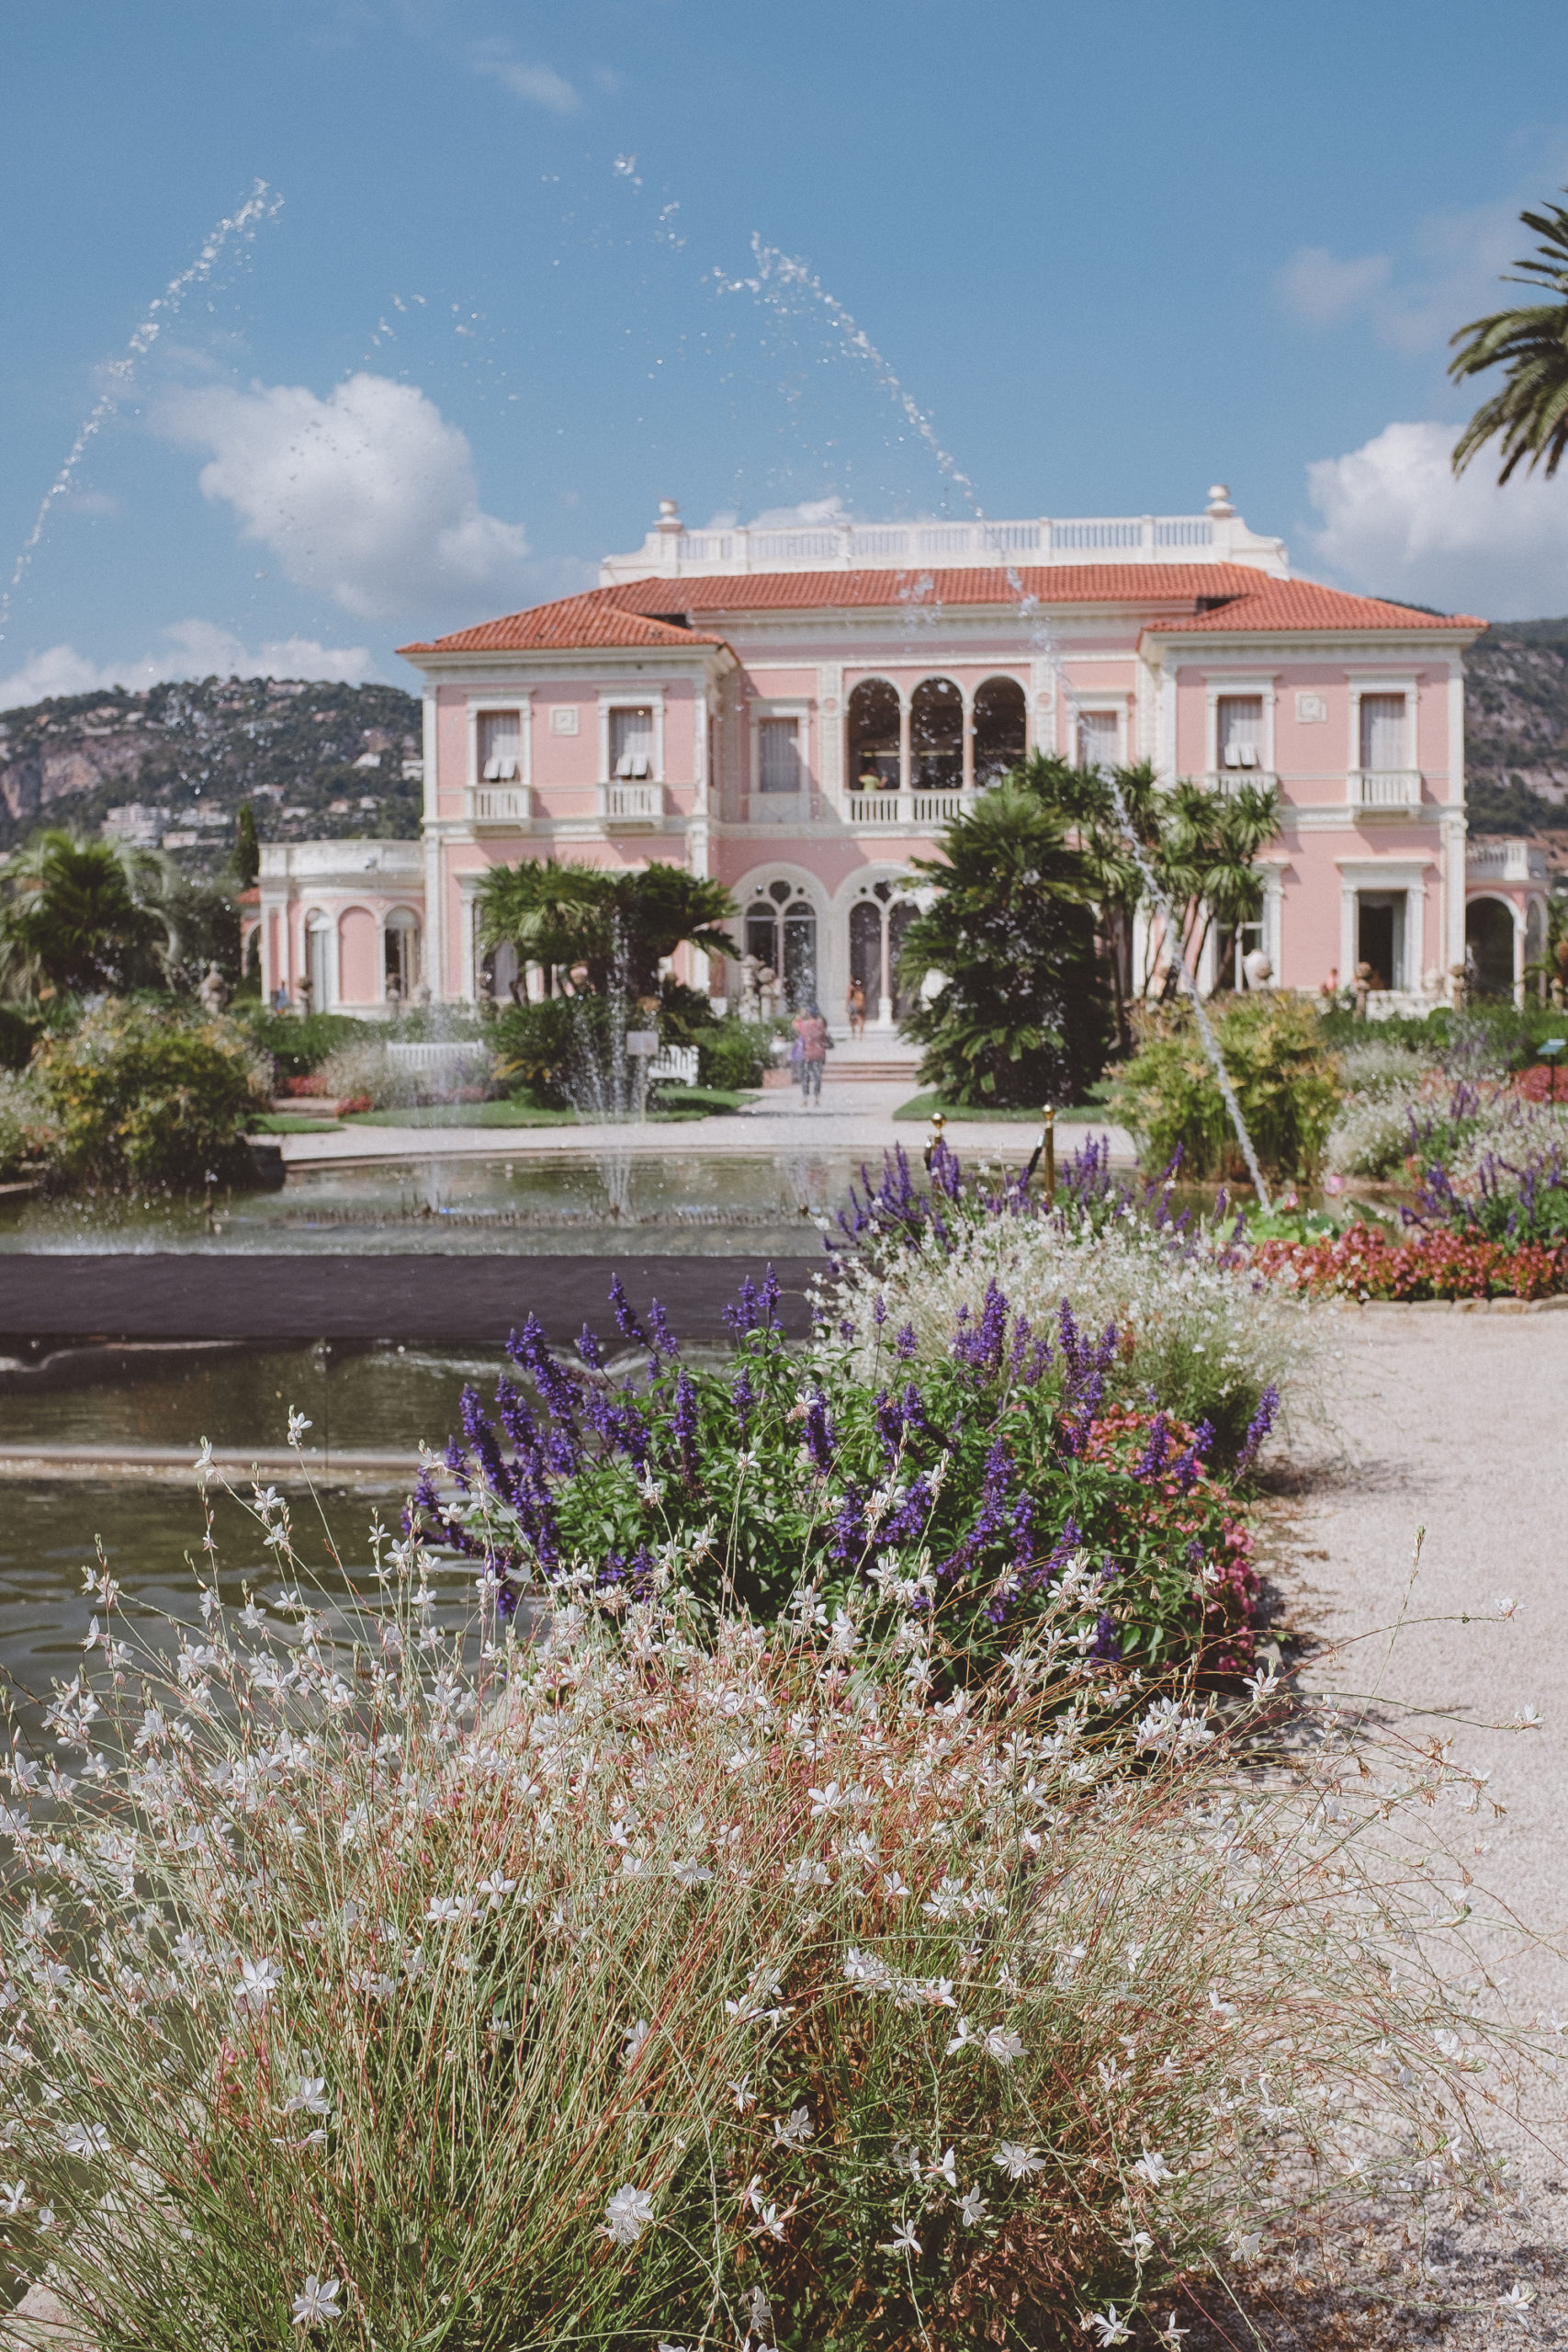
(311, 1084)
(1367, 1261)
(1542, 1083)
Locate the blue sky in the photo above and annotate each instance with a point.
(501, 307)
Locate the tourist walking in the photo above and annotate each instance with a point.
(812, 1032)
(856, 1006)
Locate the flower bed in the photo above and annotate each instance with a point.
(1367, 1261)
(981, 1486)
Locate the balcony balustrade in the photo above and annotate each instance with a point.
(500, 804)
(1505, 862)
(621, 803)
(1385, 789)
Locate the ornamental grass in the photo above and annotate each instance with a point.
(660, 1979)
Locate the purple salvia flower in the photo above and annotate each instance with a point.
(686, 1419)
(743, 1398)
(905, 1345)
(588, 1347)
(664, 1339)
(1257, 1428)
(1187, 1468)
(822, 1439)
(626, 1320)
(1153, 1459)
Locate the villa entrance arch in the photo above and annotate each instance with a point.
(875, 915)
(1490, 950)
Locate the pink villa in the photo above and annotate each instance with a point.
(798, 711)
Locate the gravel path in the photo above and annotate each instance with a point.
(1457, 1424)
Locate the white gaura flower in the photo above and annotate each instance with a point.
(310, 2097)
(85, 2140)
(1504, 1604)
(297, 1425)
(1517, 2302)
(796, 2132)
(259, 1980)
(944, 2167)
(1151, 2168)
(1003, 2046)
(635, 2036)
(972, 2209)
(317, 2302)
(1017, 2161)
(691, 1873)
(1112, 2329)
(959, 2038)
(745, 2095)
(14, 2199)
(904, 2242)
(628, 2214)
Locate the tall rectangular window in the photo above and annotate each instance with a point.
(778, 755)
(631, 743)
(501, 745)
(1385, 741)
(1100, 739)
(1238, 731)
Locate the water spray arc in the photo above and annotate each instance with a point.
(776, 271)
(261, 205)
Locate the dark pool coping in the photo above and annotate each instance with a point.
(458, 1300)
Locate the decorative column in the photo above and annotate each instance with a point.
(905, 768)
(968, 741)
(885, 1001)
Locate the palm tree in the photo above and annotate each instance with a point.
(1529, 414)
(618, 924)
(1018, 1015)
(77, 917)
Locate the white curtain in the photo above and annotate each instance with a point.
(501, 745)
(631, 743)
(779, 754)
(1385, 744)
(1100, 739)
(1240, 731)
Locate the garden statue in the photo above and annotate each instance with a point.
(394, 995)
(1258, 969)
(1361, 990)
(213, 993)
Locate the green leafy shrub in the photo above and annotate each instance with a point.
(733, 1054)
(26, 1133)
(299, 1046)
(1286, 1082)
(137, 1096)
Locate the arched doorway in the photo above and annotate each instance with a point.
(318, 959)
(872, 727)
(1001, 729)
(1489, 947)
(936, 735)
(781, 934)
(879, 916)
(401, 965)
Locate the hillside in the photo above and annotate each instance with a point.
(169, 766)
(1516, 728)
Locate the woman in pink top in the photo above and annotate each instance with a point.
(812, 1031)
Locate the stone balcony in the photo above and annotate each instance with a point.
(1226, 780)
(1387, 792)
(862, 812)
(508, 804)
(1508, 861)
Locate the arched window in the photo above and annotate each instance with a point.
(1489, 947)
(402, 955)
(1001, 729)
(874, 737)
(936, 735)
(781, 934)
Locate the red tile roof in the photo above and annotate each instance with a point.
(1066, 584)
(594, 619)
(1307, 605)
(629, 613)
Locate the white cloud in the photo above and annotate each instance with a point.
(1396, 520)
(541, 84)
(1319, 290)
(367, 495)
(1447, 275)
(194, 649)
